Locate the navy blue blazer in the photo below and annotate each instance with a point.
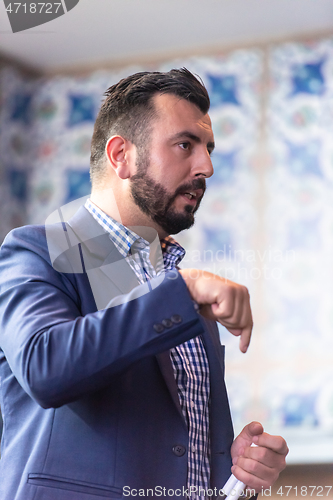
(89, 400)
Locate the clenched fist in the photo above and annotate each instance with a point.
(258, 467)
(221, 300)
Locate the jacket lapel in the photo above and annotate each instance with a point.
(109, 274)
(221, 429)
(165, 365)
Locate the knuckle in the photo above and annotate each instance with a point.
(228, 309)
(261, 454)
(284, 447)
(283, 465)
(232, 294)
(251, 466)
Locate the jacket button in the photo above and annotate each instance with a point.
(179, 450)
(176, 319)
(158, 328)
(167, 323)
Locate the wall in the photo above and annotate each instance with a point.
(266, 221)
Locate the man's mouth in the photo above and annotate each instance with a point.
(194, 195)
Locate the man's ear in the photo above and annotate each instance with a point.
(119, 154)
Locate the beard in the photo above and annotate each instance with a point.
(154, 200)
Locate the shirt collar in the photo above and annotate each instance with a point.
(124, 238)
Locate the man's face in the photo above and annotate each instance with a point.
(171, 170)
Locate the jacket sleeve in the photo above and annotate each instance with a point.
(57, 354)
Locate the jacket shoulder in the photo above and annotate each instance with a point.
(29, 238)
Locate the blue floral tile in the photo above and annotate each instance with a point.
(82, 109)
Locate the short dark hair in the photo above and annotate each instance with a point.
(128, 108)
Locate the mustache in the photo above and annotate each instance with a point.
(191, 186)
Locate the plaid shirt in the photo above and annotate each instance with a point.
(189, 360)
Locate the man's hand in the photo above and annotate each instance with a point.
(258, 467)
(223, 301)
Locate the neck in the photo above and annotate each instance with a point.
(127, 213)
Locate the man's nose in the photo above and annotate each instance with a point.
(203, 166)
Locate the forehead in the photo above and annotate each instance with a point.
(174, 114)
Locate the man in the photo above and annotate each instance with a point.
(111, 378)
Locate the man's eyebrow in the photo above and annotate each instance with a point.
(195, 138)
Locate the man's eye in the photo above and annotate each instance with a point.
(185, 145)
